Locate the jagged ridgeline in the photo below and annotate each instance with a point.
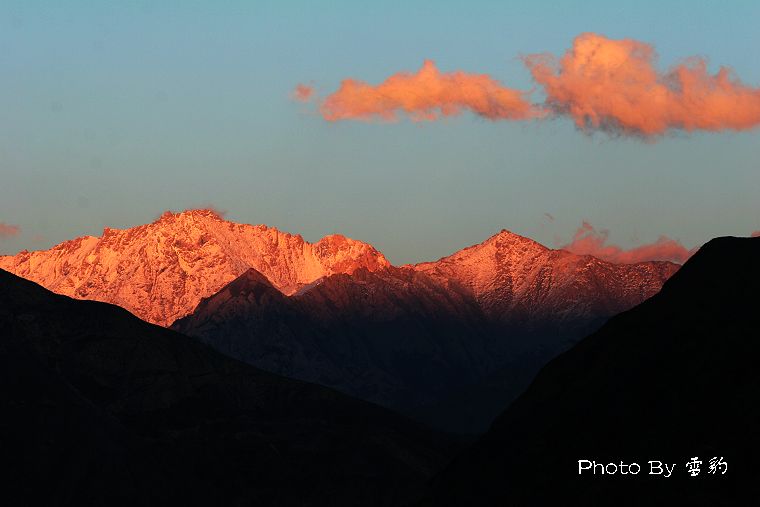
(449, 342)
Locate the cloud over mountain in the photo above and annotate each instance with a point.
(8, 231)
(588, 240)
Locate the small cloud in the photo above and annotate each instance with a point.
(9, 231)
(303, 93)
(755, 234)
(588, 240)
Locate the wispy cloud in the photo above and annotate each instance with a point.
(303, 93)
(587, 240)
(9, 231)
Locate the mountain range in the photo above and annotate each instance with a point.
(449, 342)
(160, 271)
(102, 408)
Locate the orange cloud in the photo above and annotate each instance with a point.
(755, 234)
(427, 95)
(303, 93)
(601, 83)
(613, 85)
(590, 241)
(8, 231)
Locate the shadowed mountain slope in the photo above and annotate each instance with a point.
(392, 336)
(450, 343)
(674, 378)
(100, 408)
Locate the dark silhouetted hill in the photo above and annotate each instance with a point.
(674, 378)
(101, 408)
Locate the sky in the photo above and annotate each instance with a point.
(113, 112)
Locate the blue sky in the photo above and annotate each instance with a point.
(113, 113)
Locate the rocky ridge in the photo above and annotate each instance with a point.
(160, 271)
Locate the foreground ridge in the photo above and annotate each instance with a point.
(101, 408)
(673, 378)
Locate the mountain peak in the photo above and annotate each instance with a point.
(508, 273)
(169, 216)
(251, 279)
(506, 239)
(161, 270)
(503, 242)
(202, 217)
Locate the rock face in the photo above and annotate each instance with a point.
(160, 271)
(450, 342)
(101, 408)
(512, 277)
(673, 378)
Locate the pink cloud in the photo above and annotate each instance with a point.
(613, 85)
(303, 93)
(9, 231)
(587, 240)
(427, 94)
